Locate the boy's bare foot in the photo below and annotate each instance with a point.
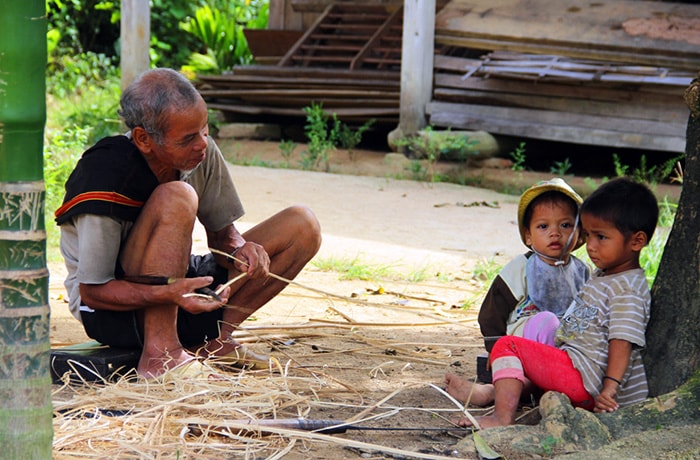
(485, 421)
(467, 392)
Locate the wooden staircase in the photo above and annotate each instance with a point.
(351, 36)
(349, 61)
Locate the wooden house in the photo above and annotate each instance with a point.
(610, 73)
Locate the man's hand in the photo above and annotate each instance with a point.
(253, 260)
(185, 288)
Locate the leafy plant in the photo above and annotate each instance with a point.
(81, 108)
(287, 147)
(320, 141)
(417, 170)
(620, 169)
(219, 27)
(346, 137)
(518, 156)
(433, 145)
(657, 173)
(171, 46)
(653, 175)
(561, 168)
(650, 257)
(62, 148)
(92, 26)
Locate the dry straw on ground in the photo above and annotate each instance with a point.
(215, 416)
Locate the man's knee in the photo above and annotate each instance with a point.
(307, 224)
(175, 195)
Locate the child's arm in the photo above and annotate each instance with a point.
(495, 309)
(619, 352)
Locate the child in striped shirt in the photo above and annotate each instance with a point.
(597, 359)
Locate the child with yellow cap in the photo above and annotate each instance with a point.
(532, 291)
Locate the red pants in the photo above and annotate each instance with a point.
(548, 368)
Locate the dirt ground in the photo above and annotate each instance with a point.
(387, 340)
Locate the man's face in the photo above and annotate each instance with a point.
(184, 144)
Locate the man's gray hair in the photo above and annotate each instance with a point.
(153, 96)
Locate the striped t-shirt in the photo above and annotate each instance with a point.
(608, 307)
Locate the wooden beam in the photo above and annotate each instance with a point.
(565, 127)
(135, 33)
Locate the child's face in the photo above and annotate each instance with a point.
(608, 247)
(551, 225)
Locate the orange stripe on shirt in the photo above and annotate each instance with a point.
(112, 197)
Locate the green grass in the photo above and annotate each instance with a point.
(486, 270)
(354, 268)
(74, 121)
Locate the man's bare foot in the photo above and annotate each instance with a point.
(154, 366)
(467, 392)
(218, 348)
(231, 353)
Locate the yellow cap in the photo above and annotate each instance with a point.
(555, 184)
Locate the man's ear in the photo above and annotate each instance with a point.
(639, 240)
(141, 139)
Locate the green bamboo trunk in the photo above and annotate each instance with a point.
(25, 384)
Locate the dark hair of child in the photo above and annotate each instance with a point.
(627, 204)
(552, 197)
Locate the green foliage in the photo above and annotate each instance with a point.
(650, 256)
(325, 132)
(667, 213)
(417, 170)
(80, 26)
(218, 25)
(68, 74)
(93, 26)
(486, 270)
(287, 147)
(76, 118)
(620, 169)
(433, 145)
(652, 175)
(320, 141)
(347, 137)
(518, 156)
(170, 45)
(561, 168)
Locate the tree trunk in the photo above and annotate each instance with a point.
(673, 334)
(25, 384)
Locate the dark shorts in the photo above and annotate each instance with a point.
(123, 329)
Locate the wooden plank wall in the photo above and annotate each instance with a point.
(567, 71)
(653, 33)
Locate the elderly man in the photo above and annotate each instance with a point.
(126, 235)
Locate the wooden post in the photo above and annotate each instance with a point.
(135, 39)
(418, 44)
